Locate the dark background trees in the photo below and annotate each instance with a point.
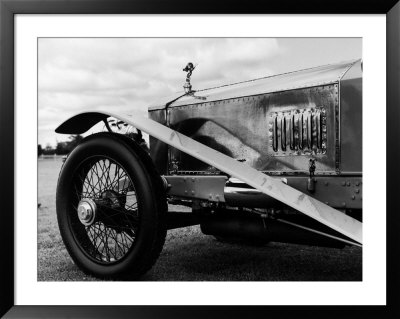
(39, 149)
(62, 148)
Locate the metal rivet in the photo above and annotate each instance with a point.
(353, 197)
(192, 192)
(357, 190)
(326, 183)
(357, 183)
(343, 204)
(343, 183)
(348, 183)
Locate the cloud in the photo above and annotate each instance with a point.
(129, 73)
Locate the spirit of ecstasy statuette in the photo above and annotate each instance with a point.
(189, 69)
(188, 87)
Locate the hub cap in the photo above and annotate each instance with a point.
(87, 211)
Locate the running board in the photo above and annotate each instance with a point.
(309, 206)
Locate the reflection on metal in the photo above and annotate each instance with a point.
(292, 129)
(318, 129)
(300, 130)
(248, 197)
(309, 131)
(275, 134)
(339, 192)
(337, 131)
(209, 188)
(283, 133)
(311, 207)
(328, 189)
(304, 131)
(242, 128)
(86, 211)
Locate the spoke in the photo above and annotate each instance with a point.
(132, 206)
(108, 179)
(84, 181)
(104, 176)
(96, 243)
(115, 174)
(101, 238)
(98, 183)
(113, 234)
(124, 238)
(81, 178)
(130, 238)
(107, 237)
(115, 242)
(123, 241)
(89, 179)
(115, 237)
(104, 243)
(100, 177)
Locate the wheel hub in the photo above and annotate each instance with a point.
(87, 211)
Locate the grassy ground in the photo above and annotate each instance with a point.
(189, 255)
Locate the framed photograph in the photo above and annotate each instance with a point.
(129, 102)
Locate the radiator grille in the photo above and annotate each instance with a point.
(298, 132)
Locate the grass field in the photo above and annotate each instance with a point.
(189, 255)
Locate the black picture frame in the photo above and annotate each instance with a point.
(11, 7)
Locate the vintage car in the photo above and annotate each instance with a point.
(277, 158)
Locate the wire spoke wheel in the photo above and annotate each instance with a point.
(111, 207)
(110, 229)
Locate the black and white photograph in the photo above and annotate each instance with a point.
(200, 159)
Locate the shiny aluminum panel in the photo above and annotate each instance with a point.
(342, 192)
(243, 128)
(351, 120)
(210, 188)
(316, 76)
(158, 149)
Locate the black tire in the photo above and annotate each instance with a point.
(125, 235)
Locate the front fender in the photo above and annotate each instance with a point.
(82, 122)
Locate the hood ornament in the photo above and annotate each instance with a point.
(188, 86)
(189, 69)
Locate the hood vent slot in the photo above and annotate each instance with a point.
(298, 132)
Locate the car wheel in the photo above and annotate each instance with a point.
(111, 208)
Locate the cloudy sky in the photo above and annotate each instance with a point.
(124, 74)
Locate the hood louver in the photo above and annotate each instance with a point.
(298, 132)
